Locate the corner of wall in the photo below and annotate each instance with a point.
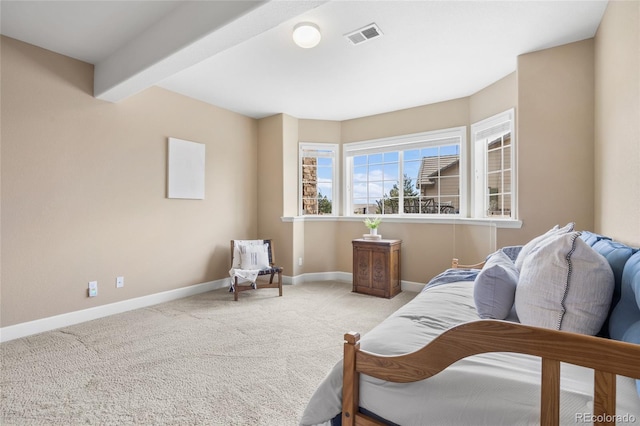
(617, 134)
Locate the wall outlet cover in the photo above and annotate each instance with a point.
(93, 288)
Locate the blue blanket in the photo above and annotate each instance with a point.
(452, 275)
(456, 275)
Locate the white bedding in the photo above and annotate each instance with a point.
(488, 389)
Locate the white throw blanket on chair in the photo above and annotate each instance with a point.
(245, 276)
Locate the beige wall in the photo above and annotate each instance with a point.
(275, 162)
(84, 189)
(555, 139)
(320, 248)
(319, 131)
(290, 190)
(437, 116)
(617, 123)
(83, 181)
(426, 249)
(494, 99)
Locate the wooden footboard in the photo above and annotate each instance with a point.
(607, 358)
(455, 264)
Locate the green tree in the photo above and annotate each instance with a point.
(390, 202)
(324, 204)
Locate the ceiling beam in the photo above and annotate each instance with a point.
(193, 32)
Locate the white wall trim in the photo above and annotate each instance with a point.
(318, 276)
(71, 318)
(389, 218)
(344, 277)
(412, 286)
(64, 320)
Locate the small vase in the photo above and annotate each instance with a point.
(373, 231)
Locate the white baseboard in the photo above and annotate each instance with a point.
(412, 286)
(64, 320)
(346, 277)
(318, 276)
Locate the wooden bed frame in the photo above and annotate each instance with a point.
(607, 358)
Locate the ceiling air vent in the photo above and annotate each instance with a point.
(367, 33)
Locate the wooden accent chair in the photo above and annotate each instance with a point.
(248, 261)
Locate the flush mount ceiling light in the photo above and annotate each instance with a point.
(306, 35)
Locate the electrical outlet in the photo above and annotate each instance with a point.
(119, 282)
(299, 261)
(93, 288)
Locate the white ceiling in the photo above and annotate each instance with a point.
(239, 54)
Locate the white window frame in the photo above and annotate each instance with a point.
(333, 154)
(402, 143)
(482, 132)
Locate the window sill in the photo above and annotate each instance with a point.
(498, 223)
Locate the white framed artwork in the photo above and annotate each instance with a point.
(185, 169)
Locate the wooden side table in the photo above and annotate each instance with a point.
(376, 267)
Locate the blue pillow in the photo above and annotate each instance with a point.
(617, 255)
(512, 252)
(633, 336)
(494, 289)
(592, 238)
(624, 323)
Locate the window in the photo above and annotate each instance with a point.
(318, 179)
(494, 160)
(420, 174)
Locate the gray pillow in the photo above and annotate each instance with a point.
(494, 289)
(565, 285)
(535, 243)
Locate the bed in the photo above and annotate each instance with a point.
(436, 361)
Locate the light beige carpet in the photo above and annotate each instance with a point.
(199, 360)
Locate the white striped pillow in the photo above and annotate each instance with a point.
(565, 285)
(254, 257)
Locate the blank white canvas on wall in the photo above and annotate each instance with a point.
(185, 169)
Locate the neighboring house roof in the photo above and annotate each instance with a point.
(433, 166)
(496, 143)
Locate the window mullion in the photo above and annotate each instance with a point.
(485, 178)
(401, 182)
(502, 186)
